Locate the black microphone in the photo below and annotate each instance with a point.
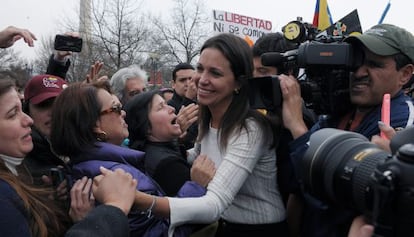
(274, 59)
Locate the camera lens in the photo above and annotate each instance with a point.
(338, 165)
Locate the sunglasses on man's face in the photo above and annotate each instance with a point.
(114, 109)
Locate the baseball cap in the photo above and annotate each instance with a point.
(386, 39)
(43, 87)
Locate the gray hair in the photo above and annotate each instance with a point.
(120, 77)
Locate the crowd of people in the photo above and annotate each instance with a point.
(191, 160)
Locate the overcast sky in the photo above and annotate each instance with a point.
(41, 16)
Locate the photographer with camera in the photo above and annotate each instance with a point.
(387, 64)
(360, 227)
(276, 42)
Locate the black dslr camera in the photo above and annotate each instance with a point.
(327, 62)
(345, 169)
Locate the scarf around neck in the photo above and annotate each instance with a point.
(11, 163)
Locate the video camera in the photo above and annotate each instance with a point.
(345, 169)
(327, 62)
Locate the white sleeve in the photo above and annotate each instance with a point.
(193, 153)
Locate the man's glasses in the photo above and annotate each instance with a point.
(114, 109)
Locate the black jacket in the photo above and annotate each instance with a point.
(166, 165)
(41, 158)
(176, 102)
(57, 68)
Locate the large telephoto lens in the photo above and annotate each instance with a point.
(337, 168)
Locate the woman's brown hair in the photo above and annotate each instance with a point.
(74, 116)
(44, 216)
(239, 54)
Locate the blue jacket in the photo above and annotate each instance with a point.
(319, 219)
(14, 219)
(113, 157)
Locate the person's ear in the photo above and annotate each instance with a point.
(407, 73)
(239, 82)
(97, 129)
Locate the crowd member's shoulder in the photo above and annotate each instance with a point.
(104, 220)
(6, 189)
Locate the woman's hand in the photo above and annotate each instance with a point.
(60, 191)
(82, 200)
(186, 117)
(116, 188)
(202, 170)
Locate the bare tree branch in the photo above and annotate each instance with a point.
(184, 32)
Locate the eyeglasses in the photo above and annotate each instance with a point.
(114, 109)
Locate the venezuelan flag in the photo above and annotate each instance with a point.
(322, 18)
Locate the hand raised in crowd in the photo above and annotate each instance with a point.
(360, 228)
(384, 143)
(82, 199)
(191, 92)
(61, 191)
(116, 188)
(93, 74)
(202, 170)
(12, 34)
(187, 116)
(62, 55)
(292, 106)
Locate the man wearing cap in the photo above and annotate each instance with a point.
(39, 95)
(387, 65)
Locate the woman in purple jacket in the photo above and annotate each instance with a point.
(85, 118)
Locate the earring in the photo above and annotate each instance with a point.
(101, 136)
(236, 91)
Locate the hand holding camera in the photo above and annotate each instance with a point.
(67, 43)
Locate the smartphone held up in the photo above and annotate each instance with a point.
(68, 43)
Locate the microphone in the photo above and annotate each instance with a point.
(274, 59)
